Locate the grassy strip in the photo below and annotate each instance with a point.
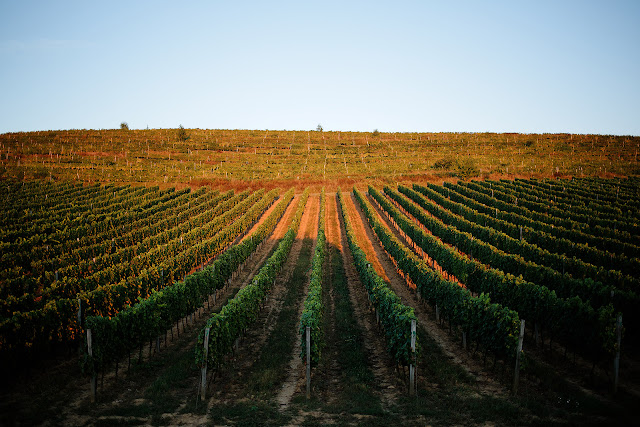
(270, 369)
(357, 380)
(248, 413)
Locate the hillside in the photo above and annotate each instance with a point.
(235, 158)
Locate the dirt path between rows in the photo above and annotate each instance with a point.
(426, 317)
(259, 222)
(365, 244)
(370, 245)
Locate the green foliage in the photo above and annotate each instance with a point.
(152, 316)
(535, 239)
(573, 320)
(124, 126)
(493, 326)
(573, 232)
(518, 257)
(313, 310)
(227, 325)
(395, 317)
(53, 315)
(466, 168)
(124, 252)
(40, 172)
(444, 163)
(620, 225)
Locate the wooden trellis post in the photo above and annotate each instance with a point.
(94, 378)
(308, 338)
(516, 377)
(203, 370)
(616, 361)
(412, 367)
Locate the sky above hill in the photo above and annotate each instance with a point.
(454, 66)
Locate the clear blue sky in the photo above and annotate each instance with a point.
(508, 66)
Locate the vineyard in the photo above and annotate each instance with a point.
(275, 299)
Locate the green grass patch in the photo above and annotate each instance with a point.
(357, 382)
(556, 397)
(270, 368)
(461, 407)
(166, 392)
(254, 413)
(437, 366)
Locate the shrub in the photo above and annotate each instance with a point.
(461, 168)
(40, 172)
(444, 163)
(467, 169)
(124, 126)
(182, 134)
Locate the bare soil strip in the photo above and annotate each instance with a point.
(365, 244)
(371, 246)
(260, 221)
